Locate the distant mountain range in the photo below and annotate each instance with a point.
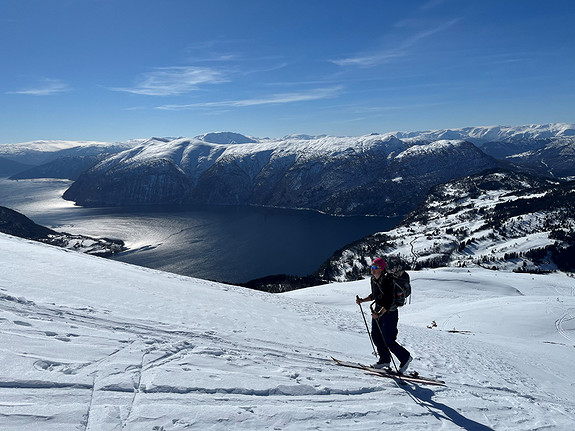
(366, 175)
(376, 174)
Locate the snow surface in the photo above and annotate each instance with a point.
(38, 152)
(493, 133)
(92, 344)
(434, 147)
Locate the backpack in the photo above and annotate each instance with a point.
(401, 287)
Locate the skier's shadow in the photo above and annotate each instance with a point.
(424, 397)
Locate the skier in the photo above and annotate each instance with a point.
(384, 318)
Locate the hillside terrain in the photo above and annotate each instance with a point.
(497, 220)
(92, 344)
(17, 224)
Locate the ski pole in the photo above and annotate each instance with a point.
(367, 328)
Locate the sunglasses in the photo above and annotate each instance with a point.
(374, 267)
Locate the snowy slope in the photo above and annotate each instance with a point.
(498, 219)
(39, 152)
(91, 344)
(479, 135)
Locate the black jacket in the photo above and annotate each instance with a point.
(382, 291)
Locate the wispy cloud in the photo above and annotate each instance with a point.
(173, 81)
(430, 32)
(370, 59)
(431, 4)
(46, 87)
(274, 99)
(390, 54)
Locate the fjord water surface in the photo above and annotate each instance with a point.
(231, 244)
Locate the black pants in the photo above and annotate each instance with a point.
(385, 339)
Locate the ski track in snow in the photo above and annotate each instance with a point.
(147, 354)
(565, 326)
(100, 367)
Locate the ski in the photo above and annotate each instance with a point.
(413, 377)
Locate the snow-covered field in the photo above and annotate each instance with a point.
(92, 344)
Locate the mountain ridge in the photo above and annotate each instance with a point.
(325, 174)
(376, 174)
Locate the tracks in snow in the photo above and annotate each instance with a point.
(566, 325)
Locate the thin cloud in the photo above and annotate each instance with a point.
(432, 4)
(427, 33)
(370, 60)
(389, 55)
(174, 81)
(47, 87)
(216, 58)
(274, 99)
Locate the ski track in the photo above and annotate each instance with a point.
(131, 366)
(564, 321)
(102, 367)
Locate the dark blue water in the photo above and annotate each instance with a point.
(237, 244)
(231, 244)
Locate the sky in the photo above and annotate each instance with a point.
(113, 70)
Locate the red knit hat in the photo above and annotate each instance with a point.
(380, 263)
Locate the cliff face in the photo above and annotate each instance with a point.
(153, 182)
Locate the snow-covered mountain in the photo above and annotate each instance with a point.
(39, 152)
(91, 344)
(482, 135)
(547, 150)
(373, 174)
(67, 167)
(554, 158)
(57, 159)
(498, 220)
(365, 175)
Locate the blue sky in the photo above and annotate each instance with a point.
(118, 69)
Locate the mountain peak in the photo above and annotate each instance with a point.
(226, 138)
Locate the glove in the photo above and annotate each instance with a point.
(377, 314)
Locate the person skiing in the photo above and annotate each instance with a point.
(384, 318)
